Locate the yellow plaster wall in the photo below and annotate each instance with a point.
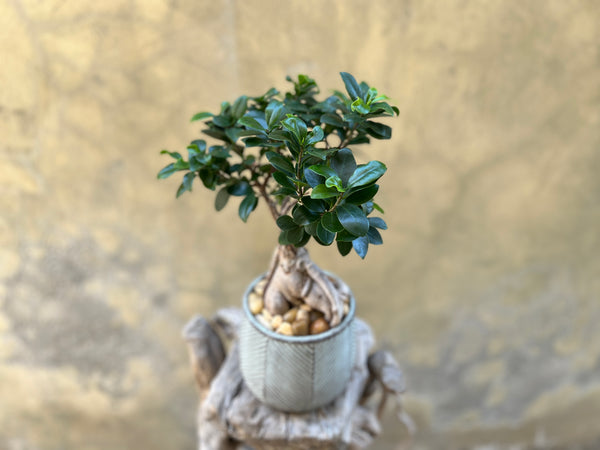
(487, 288)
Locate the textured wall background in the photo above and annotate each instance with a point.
(488, 286)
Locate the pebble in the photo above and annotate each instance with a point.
(260, 287)
(267, 315)
(255, 303)
(302, 315)
(276, 321)
(319, 326)
(314, 315)
(300, 327)
(290, 316)
(285, 328)
(264, 322)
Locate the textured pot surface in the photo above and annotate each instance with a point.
(296, 373)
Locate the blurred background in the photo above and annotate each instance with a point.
(487, 287)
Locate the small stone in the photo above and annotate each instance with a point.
(314, 315)
(276, 321)
(264, 322)
(302, 315)
(285, 328)
(346, 309)
(267, 315)
(319, 326)
(300, 327)
(290, 316)
(255, 303)
(305, 307)
(260, 287)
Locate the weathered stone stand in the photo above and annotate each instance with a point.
(231, 418)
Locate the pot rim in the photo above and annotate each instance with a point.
(311, 338)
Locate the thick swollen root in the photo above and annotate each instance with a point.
(294, 279)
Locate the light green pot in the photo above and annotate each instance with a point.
(296, 373)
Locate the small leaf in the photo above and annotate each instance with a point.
(305, 238)
(251, 122)
(344, 247)
(280, 162)
(175, 155)
(378, 222)
(325, 236)
(314, 205)
(188, 180)
(378, 208)
(367, 173)
(343, 164)
(374, 236)
(303, 216)
(353, 219)
(333, 120)
(286, 223)
(283, 180)
(201, 116)
(239, 107)
(239, 189)
(322, 191)
(180, 190)
(221, 199)
(351, 85)
(330, 222)
(247, 206)
(361, 246)
(363, 194)
(316, 135)
(167, 171)
(296, 126)
(378, 130)
(360, 106)
(336, 182)
(274, 113)
(322, 170)
(312, 178)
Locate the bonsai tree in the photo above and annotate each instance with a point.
(294, 152)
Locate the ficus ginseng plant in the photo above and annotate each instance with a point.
(294, 152)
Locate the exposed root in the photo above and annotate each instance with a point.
(294, 279)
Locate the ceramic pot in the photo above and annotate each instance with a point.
(296, 373)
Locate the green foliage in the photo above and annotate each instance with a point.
(294, 152)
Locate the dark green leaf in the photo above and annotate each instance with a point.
(175, 155)
(180, 190)
(325, 236)
(274, 113)
(382, 106)
(188, 180)
(344, 247)
(296, 126)
(181, 164)
(363, 195)
(279, 135)
(377, 222)
(283, 180)
(378, 130)
(330, 222)
(345, 236)
(374, 236)
(251, 122)
(286, 223)
(322, 191)
(255, 142)
(343, 164)
(208, 178)
(167, 171)
(312, 178)
(304, 240)
(293, 237)
(332, 119)
(367, 174)
(321, 153)
(247, 206)
(239, 189)
(223, 121)
(314, 205)
(221, 199)
(217, 134)
(322, 170)
(351, 85)
(303, 216)
(316, 135)
(353, 219)
(200, 116)
(239, 107)
(361, 246)
(280, 162)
